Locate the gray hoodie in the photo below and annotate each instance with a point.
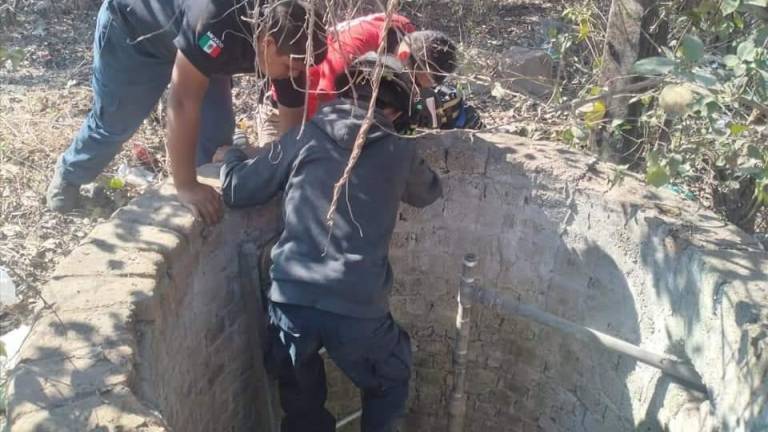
(346, 271)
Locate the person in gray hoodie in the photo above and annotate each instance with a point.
(331, 288)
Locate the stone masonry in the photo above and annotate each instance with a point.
(151, 323)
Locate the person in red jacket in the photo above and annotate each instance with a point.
(431, 55)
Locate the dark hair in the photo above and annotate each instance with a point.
(432, 51)
(395, 88)
(288, 23)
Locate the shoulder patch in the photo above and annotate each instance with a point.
(210, 44)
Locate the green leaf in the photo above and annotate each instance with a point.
(737, 128)
(756, 11)
(704, 79)
(652, 157)
(705, 105)
(729, 6)
(552, 32)
(656, 175)
(692, 48)
(704, 7)
(594, 113)
(761, 191)
(738, 21)
(578, 133)
(731, 60)
(760, 3)
(763, 75)
(746, 50)
(567, 136)
(583, 28)
(674, 163)
(754, 152)
(654, 66)
(116, 183)
(750, 171)
(761, 35)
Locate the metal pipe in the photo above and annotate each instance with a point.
(348, 419)
(666, 363)
(457, 408)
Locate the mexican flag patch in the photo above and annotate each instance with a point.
(210, 44)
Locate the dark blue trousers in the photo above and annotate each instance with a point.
(128, 79)
(374, 353)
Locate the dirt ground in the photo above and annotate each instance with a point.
(43, 100)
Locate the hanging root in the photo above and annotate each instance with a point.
(367, 121)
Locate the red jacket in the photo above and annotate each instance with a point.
(346, 42)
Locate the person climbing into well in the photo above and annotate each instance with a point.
(431, 56)
(330, 286)
(140, 46)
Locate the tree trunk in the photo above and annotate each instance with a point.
(630, 22)
(737, 202)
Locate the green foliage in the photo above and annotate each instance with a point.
(705, 123)
(729, 6)
(691, 48)
(116, 183)
(654, 66)
(716, 87)
(580, 47)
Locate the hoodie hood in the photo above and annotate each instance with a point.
(341, 120)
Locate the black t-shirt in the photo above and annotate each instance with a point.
(213, 35)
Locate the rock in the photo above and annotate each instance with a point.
(693, 417)
(94, 191)
(531, 71)
(12, 231)
(518, 69)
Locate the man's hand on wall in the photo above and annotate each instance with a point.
(203, 200)
(218, 157)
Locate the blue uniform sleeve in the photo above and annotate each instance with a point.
(249, 182)
(214, 37)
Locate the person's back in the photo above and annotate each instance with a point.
(347, 270)
(331, 289)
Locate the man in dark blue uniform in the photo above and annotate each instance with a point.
(140, 46)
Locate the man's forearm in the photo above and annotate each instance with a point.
(183, 129)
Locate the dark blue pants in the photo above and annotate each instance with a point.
(374, 353)
(128, 79)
